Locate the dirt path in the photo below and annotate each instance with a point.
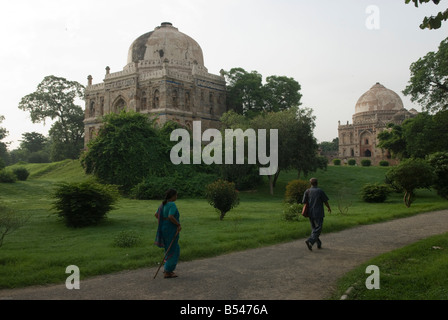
(286, 271)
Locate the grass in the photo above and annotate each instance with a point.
(39, 252)
(416, 272)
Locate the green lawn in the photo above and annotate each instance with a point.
(416, 272)
(39, 252)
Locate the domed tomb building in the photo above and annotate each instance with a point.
(374, 110)
(165, 76)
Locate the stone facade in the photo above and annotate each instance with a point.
(374, 110)
(164, 76)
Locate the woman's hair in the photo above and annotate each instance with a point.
(169, 194)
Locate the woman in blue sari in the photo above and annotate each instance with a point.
(168, 232)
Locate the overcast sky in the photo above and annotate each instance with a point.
(336, 50)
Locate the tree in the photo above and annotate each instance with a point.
(33, 141)
(244, 91)
(409, 175)
(3, 146)
(429, 80)
(126, 150)
(433, 22)
(9, 222)
(392, 140)
(55, 99)
(281, 93)
(247, 95)
(297, 147)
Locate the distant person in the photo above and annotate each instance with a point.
(167, 232)
(316, 199)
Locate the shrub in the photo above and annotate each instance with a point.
(222, 195)
(366, 162)
(84, 204)
(127, 239)
(439, 162)
(373, 192)
(351, 162)
(187, 185)
(7, 176)
(337, 162)
(384, 163)
(295, 190)
(21, 173)
(292, 211)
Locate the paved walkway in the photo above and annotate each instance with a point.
(286, 271)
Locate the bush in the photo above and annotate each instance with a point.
(337, 162)
(292, 211)
(366, 162)
(21, 173)
(84, 204)
(127, 239)
(222, 195)
(7, 176)
(384, 163)
(187, 185)
(351, 162)
(374, 192)
(439, 162)
(295, 190)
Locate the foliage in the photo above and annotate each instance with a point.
(292, 211)
(247, 95)
(374, 192)
(3, 146)
(409, 175)
(7, 176)
(85, 203)
(429, 80)
(245, 176)
(392, 140)
(33, 141)
(337, 162)
(384, 163)
(366, 162)
(188, 184)
(417, 137)
(432, 22)
(55, 99)
(351, 162)
(9, 221)
(295, 190)
(127, 239)
(328, 147)
(126, 150)
(439, 162)
(222, 195)
(21, 173)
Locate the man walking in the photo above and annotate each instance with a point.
(316, 198)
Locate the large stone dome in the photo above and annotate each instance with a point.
(166, 43)
(379, 98)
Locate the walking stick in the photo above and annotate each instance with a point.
(164, 257)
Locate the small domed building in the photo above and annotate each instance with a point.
(374, 110)
(165, 76)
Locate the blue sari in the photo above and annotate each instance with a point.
(166, 232)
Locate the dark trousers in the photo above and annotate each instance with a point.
(316, 229)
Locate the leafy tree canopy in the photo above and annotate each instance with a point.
(433, 22)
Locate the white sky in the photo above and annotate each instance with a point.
(325, 45)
